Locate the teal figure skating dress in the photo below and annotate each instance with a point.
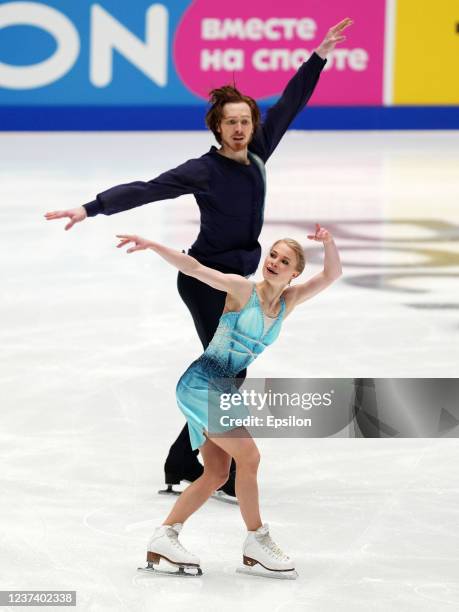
(240, 337)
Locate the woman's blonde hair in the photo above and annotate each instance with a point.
(299, 252)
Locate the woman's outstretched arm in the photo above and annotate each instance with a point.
(234, 284)
(331, 272)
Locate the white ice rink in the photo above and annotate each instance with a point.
(94, 340)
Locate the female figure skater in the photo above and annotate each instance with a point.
(228, 184)
(251, 320)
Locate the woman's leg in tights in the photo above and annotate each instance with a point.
(216, 471)
(247, 457)
(217, 454)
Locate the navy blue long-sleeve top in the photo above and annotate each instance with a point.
(230, 195)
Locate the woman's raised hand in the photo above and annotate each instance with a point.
(74, 214)
(321, 235)
(140, 243)
(333, 36)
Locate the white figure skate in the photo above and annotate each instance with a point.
(262, 557)
(166, 552)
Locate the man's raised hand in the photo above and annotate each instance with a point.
(333, 36)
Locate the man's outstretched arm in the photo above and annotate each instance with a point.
(296, 94)
(190, 177)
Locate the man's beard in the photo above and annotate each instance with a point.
(235, 145)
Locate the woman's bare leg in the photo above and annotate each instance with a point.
(216, 470)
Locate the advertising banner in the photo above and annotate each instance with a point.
(216, 43)
(171, 53)
(426, 52)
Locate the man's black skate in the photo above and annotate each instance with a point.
(175, 476)
(226, 493)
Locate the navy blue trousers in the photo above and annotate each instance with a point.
(206, 306)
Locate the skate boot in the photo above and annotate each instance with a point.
(167, 553)
(262, 557)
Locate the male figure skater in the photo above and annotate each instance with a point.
(228, 184)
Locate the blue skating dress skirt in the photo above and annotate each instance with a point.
(239, 339)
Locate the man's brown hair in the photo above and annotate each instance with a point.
(221, 96)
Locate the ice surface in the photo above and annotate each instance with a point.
(94, 340)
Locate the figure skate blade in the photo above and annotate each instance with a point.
(259, 570)
(166, 568)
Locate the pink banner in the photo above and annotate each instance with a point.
(261, 45)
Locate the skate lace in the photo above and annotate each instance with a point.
(273, 549)
(173, 537)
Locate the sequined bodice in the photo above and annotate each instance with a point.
(241, 336)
